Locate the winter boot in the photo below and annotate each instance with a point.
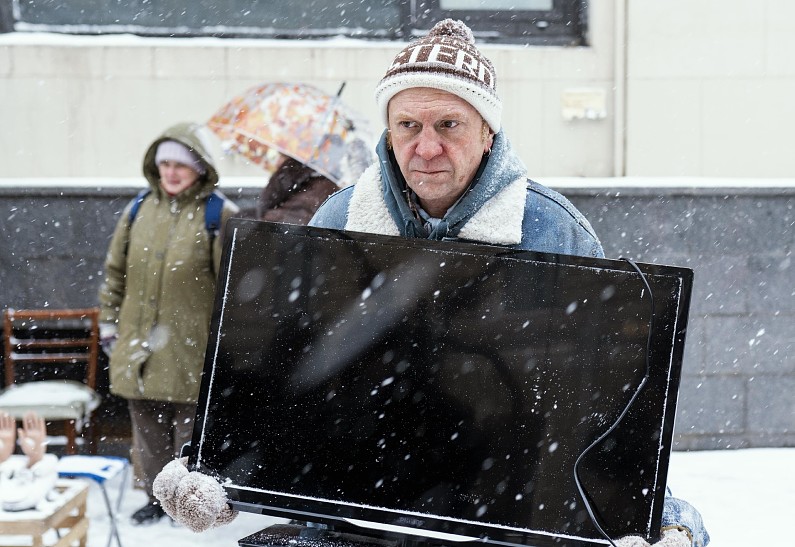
(148, 514)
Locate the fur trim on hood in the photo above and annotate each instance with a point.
(491, 211)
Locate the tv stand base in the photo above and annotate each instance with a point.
(296, 535)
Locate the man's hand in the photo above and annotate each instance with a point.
(192, 499)
(33, 438)
(670, 538)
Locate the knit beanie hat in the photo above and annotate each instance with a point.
(178, 152)
(445, 59)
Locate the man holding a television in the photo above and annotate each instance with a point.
(446, 171)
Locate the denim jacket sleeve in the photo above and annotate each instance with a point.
(678, 513)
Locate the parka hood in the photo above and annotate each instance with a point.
(187, 133)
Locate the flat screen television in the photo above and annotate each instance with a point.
(385, 386)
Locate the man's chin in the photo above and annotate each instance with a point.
(440, 180)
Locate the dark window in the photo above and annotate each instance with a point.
(551, 22)
(540, 22)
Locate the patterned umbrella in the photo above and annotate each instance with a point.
(300, 121)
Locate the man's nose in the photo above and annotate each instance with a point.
(429, 145)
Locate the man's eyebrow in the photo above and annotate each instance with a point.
(450, 114)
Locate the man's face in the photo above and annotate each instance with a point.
(176, 177)
(439, 140)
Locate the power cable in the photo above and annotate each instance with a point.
(596, 518)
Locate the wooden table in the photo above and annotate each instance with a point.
(66, 512)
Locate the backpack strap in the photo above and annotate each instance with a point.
(212, 213)
(136, 204)
(137, 201)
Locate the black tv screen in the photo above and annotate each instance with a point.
(387, 385)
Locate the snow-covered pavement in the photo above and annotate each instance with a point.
(743, 495)
(746, 497)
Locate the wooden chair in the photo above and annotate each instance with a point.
(49, 344)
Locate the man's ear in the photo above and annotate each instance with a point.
(488, 137)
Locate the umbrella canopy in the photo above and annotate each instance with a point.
(300, 121)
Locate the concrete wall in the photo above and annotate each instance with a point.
(710, 87)
(739, 370)
(688, 89)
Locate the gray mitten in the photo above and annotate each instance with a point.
(164, 487)
(192, 499)
(108, 334)
(673, 537)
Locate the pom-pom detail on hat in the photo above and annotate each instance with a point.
(456, 29)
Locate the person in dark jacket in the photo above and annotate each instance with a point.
(293, 193)
(157, 301)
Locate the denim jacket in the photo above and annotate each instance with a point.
(680, 514)
(501, 207)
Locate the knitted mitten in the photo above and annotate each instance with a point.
(670, 538)
(192, 499)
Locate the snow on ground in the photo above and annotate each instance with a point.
(165, 532)
(746, 497)
(743, 496)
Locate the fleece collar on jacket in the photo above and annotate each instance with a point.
(491, 211)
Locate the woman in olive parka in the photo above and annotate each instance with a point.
(157, 301)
